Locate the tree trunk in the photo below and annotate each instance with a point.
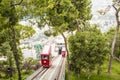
(67, 55)
(10, 66)
(114, 40)
(15, 52)
(13, 44)
(110, 64)
(112, 49)
(78, 28)
(99, 69)
(12, 20)
(78, 73)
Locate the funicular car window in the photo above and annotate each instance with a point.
(45, 57)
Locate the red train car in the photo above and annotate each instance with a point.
(63, 52)
(46, 56)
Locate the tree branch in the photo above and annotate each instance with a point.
(116, 58)
(118, 9)
(115, 7)
(18, 3)
(116, 3)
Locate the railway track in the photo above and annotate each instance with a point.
(37, 76)
(54, 70)
(60, 69)
(37, 73)
(40, 72)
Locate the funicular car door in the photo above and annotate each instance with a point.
(45, 60)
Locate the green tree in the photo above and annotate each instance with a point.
(110, 34)
(5, 50)
(88, 50)
(5, 39)
(60, 16)
(116, 6)
(84, 15)
(10, 14)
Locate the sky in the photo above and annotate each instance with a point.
(104, 21)
(100, 4)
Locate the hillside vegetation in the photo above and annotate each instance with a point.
(115, 75)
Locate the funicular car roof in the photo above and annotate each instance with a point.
(63, 49)
(46, 50)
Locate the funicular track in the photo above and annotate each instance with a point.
(59, 69)
(40, 72)
(37, 74)
(54, 71)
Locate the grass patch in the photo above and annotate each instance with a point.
(24, 75)
(115, 73)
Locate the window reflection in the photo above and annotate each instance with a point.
(45, 57)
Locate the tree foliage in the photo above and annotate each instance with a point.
(109, 35)
(9, 16)
(60, 15)
(88, 50)
(116, 6)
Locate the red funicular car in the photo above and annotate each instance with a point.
(46, 56)
(63, 52)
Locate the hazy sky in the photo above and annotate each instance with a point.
(100, 4)
(105, 21)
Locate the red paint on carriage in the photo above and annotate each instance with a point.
(63, 52)
(46, 56)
